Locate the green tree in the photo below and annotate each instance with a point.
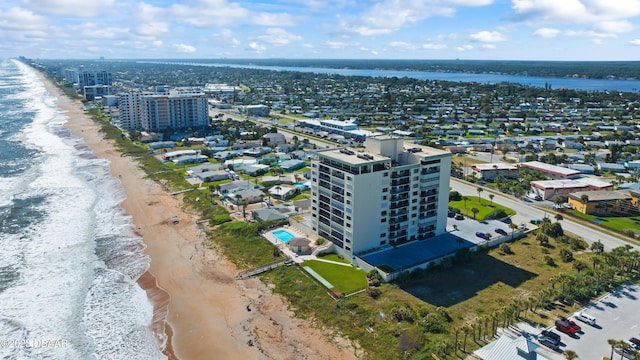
(475, 211)
(491, 196)
(480, 190)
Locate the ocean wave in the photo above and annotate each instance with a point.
(71, 258)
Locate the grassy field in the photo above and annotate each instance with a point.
(335, 257)
(466, 161)
(345, 279)
(617, 223)
(484, 207)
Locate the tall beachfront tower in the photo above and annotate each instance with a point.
(387, 194)
(176, 109)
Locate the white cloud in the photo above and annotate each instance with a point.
(212, 13)
(487, 36)
(488, 46)
(546, 33)
(96, 31)
(335, 44)
(76, 8)
(268, 19)
(621, 26)
(391, 15)
(430, 46)
(588, 33)
(226, 37)
(575, 11)
(464, 48)
(20, 19)
(278, 36)
(184, 48)
(402, 45)
(254, 46)
(635, 42)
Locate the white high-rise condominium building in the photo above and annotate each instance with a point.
(129, 110)
(175, 109)
(385, 195)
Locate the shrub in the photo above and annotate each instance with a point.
(549, 260)
(496, 214)
(566, 255)
(505, 248)
(455, 196)
(578, 244)
(220, 219)
(374, 292)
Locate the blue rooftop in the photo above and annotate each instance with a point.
(417, 252)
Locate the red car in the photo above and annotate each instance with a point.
(565, 327)
(575, 326)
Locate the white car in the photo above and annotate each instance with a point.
(586, 318)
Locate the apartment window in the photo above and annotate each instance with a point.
(416, 178)
(348, 202)
(348, 225)
(413, 215)
(384, 197)
(383, 235)
(413, 208)
(383, 220)
(385, 190)
(383, 242)
(348, 177)
(415, 193)
(384, 213)
(414, 201)
(348, 193)
(386, 174)
(348, 217)
(415, 171)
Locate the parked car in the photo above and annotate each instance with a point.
(565, 327)
(451, 214)
(551, 334)
(575, 326)
(501, 231)
(459, 217)
(548, 342)
(635, 341)
(535, 221)
(482, 235)
(585, 318)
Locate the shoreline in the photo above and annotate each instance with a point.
(199, 306)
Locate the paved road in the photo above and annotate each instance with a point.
(526, 211)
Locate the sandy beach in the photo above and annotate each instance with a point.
(193, 288)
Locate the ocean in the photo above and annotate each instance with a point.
(70, 257)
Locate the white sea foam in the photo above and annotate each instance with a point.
(77, 260)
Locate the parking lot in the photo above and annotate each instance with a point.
(618, 318)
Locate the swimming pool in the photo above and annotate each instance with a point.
(283, 235)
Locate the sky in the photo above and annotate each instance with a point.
(337, 29)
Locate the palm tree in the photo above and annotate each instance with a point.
(614, 344)
(513, 228)
(479, 189)
(491, 196)
(559, 217)
(474, 211)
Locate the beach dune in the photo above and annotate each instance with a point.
(200, 308)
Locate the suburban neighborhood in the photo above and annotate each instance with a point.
(448, 220)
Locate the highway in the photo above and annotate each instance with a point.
(526, 211)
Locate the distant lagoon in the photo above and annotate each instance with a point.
(484, 78)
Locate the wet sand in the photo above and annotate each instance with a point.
(193, 288)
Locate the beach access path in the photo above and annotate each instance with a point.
(205, 307)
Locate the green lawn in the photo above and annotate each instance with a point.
(485, 206)
(345, 279)
(335, 257)
(618, 223)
